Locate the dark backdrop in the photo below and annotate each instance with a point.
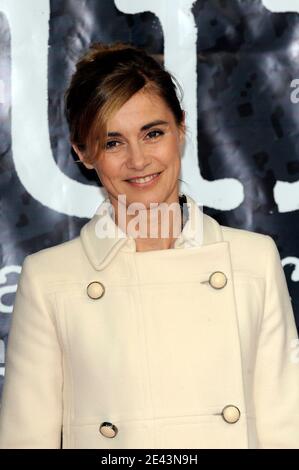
(247, 122)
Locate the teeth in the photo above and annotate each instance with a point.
(143, 180)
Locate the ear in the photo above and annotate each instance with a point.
(81, 155)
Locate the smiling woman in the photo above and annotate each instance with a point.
(130, 128)
(131, 338)
(143, 158)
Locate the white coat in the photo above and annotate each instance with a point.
(160, 352)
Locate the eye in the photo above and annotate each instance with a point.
(110, 145)
(155, 133)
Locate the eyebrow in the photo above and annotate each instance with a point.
(158, 122)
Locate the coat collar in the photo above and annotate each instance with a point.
(199, 229)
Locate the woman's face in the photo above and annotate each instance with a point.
(143, 140)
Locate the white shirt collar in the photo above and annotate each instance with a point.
(198, 229)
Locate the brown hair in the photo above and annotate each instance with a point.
(106, 76)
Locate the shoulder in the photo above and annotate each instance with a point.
(58, 263)
(250, 251)
(238, 236)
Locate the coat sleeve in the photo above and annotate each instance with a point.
(31, 408)
(276, 383)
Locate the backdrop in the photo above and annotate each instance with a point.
(237, 61)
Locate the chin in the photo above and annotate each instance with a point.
(148, 199)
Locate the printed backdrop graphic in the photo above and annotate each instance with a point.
(238, 64)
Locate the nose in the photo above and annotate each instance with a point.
(137, 156)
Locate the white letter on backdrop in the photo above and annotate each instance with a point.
(6, 288)
(278, 6)
(32, 154)
(180, 54)
(286, 195)
(293, 261)
(2, 357)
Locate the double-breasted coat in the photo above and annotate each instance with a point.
(190, 347)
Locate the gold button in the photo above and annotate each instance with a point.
(231, 414)
(95, 290)
(218, 280)
(108, 429)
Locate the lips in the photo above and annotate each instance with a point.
(145, 180)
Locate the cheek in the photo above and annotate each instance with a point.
(169, 153)
(108, 169)
(173, 157)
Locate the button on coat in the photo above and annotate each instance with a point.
(218, 280)
(95, 290)
(231, 414)
(108, 430)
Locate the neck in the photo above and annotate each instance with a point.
(155, 229)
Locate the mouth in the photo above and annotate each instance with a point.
(144, 181)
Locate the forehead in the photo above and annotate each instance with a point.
(139, 109)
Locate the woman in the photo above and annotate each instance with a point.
(124, 339)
